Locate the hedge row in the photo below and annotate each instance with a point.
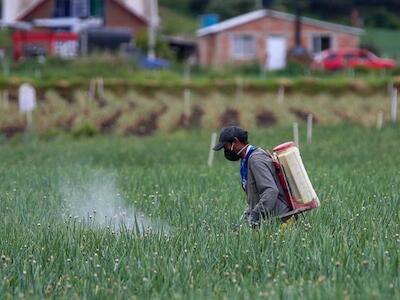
(307, 85)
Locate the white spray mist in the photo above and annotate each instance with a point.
(98, 203)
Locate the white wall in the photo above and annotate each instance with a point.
(13, 8)
(10, 9)
(143, 7)
(136, 5)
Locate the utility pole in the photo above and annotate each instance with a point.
(298, 52)
(297, 25)
(153, 20)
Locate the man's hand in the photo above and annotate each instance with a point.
(245, 214)
(254, 219)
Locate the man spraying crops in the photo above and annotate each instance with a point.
(265, 196)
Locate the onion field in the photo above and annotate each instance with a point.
(112, 217)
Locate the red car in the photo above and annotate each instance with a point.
(339, 59)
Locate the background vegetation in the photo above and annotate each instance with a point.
(382, 14)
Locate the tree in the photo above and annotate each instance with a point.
(230, 8)
(382, 18)
(178, 5)
(198, 6)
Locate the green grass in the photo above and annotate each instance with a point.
(347, 249)
(177, 23)
(385, 40)
(5, 39)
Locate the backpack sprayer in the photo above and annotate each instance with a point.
(299, 192)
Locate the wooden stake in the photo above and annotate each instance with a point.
(212, 152)
(100, 87)
(393, 106)
(309, 128)
(379, 121)
(390, 88)
(296, 134)
(187, 99)
(186, 73)
(84, 43)
(281, 95)
(6, 100)
(92, 90)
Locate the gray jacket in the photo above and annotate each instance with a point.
(264, 192)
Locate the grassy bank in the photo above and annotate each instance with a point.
(384, 40)
(165, 81)
(122, 72)
(147, 112)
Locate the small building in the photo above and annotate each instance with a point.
(265, 37)
(183, 48)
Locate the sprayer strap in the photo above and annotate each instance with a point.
(280, 169)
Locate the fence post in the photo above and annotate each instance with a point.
(187, 73)
(84, 43)
(6, 100)
(390, 88)
(100, 87)
(296, 134)
(27, 102)
(92, 90)
(309, 128)
(393, 106)
(379, 121)
(187, 99)
(212, 152)
(281, 95)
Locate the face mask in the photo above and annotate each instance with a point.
(231, 155)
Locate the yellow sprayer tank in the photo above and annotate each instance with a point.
(301, 191)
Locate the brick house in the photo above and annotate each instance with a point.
(265, 36)
(114, 13)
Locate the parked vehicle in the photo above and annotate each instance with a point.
(332, 60)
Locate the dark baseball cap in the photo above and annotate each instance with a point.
(228, 134)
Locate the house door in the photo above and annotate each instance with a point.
(276, 53)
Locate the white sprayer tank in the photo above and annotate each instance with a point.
(297, 178)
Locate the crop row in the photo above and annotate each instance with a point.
(132, 112)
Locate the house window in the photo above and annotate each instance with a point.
(244, 47)
(79, 8)
(97, 8)
(321, 43)
(62, 8)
